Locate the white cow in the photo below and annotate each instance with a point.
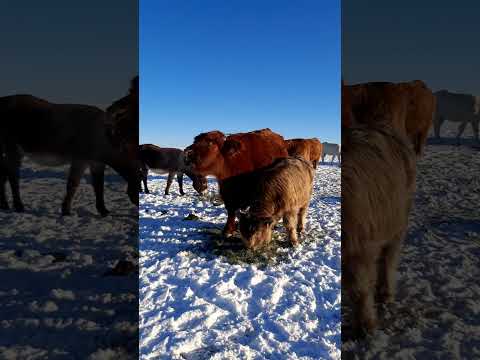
(331, 149)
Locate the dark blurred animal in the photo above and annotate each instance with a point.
(55, 134)
(279, 191)
(310, 149)
(215, 154)
(171, 161)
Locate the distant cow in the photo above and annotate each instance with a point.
(309, 149)
(279, 191)
(408, 106)
(462, 108)
(215, 154)
(331, 149)
(171, 161)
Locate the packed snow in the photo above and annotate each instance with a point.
(205, 298)
(437, 311)
(58, 298)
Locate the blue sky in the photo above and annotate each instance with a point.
(239, 65)
(69, 52)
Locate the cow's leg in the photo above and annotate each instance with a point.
(14, 179)
(323, 159)
(3, 192)
(230, 226)
(302, 217)
(475, 126)
(97, 170)
(437, 124)
(77, 168)
(180, 182)
(171, 175)
(363, 277)
(314, 163)
(461, 129)
(290, 223)
(145, 179)
(387, 272)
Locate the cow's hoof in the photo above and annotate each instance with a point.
(4, 206)
(19, 208)
(103, 212)
(66, 212)
(227, 234)
(182, 193)
(147, 192)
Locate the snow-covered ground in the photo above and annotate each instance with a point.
(437, 312)
(202, 298)
(56, 301)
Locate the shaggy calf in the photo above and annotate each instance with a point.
(281, 190)
(378, 182)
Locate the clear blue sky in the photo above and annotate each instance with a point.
(239, 65)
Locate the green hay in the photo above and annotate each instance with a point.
(234, 252)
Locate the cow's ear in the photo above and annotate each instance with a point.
(231, 147)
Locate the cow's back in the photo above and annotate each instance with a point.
(162, 159)
(257, 150)
(451, 104)
(43, 127)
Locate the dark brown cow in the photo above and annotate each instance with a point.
(215, 154)
(171, 161)
(309, 149)
(279, 191)
(55, 134)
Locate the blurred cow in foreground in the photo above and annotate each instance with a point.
(381, 138)
(215, 154)
(309, 149)
(462, 108)
(279, 191)
(171, 161)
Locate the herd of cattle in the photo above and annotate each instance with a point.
(262, 177)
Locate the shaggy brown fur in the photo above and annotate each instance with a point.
(215, 154)
(309, 149)
(281, 190)
(378, 181)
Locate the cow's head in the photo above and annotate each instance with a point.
(199, 183)
(203, 155)
(256, 231)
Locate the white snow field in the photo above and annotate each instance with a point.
(201, 298)
(55, 300)
(437, 310)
